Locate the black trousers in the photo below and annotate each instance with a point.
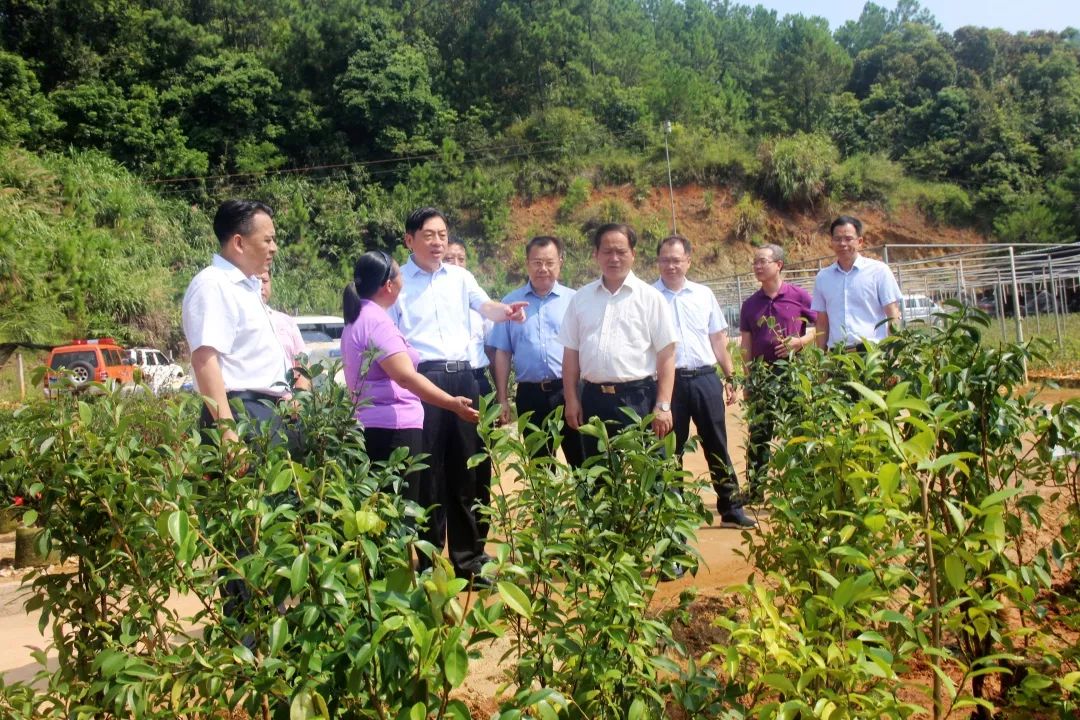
(449, 442)
(382, 442)
(541, 399)
(701, 398)
(606, 401)
(261, 410)
(765, 394)
(483, 470)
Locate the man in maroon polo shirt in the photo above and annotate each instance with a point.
(775, 323)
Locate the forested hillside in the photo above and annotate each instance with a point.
(346, 113)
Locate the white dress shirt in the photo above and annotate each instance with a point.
(479, 327)
(696, 315)
(224, 310)
(855, 300)
(432, 311)
(617, 335)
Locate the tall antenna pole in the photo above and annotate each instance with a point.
(671, 189)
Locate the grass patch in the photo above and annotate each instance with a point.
(1063, 357)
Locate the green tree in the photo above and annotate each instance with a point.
(26, 116)
(807, 69)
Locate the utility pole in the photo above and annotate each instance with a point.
(671, 189)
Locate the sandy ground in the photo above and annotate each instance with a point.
(723, 567)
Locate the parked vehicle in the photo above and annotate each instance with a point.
(99, 360)
(919, 308)
(158, 369)
(322, 339)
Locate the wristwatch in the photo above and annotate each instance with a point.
(663, 406)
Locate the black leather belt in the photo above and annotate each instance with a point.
(544, 385)
(616, 388)
(252, 395)
(448, 366)
(694, 372)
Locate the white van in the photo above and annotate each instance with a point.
(322, 339)
(919, 307)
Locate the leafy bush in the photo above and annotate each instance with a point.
(941, 202)
(907, 499)
(576, 196)
(713, 159)
(750, 217)
(868, 178)
(1030, 220)
(582, 554)
(796, 169)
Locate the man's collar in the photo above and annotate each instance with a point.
(233, 273)
(413, 269)
(556, 289)
(663, 287)
(628, 282)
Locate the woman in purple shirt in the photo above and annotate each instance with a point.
(380, 365)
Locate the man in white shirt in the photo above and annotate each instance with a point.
(618, 338)
(433, 315)
(235, 354)
(480, 356)
(698, 393)
(856, 295)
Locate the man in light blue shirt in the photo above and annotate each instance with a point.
(856, 295)
(698, 394)
(433, 315)
(534, 346)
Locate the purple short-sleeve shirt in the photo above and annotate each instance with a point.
(365, 342)
(790, 310)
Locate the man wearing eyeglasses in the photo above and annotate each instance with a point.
(856, 298)
(774, 323)
(432, 313)
(534, 347)
(698, 394)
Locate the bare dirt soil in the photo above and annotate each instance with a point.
(707, 216)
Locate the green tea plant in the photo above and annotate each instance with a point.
(337, 623)
(580, 555)
(906, 499)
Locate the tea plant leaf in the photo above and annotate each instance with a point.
(455, 664)
(279, 635)
(515, 598)
(299, 572)
(302, 706)
(954, 571)
(281, 481)
(178, 526)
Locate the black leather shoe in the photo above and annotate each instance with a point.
(736, 518)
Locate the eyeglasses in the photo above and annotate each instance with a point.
(543, 264)
(670, 261)
(762, 261)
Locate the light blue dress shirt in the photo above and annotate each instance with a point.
(432, 311)
(855, 300)
(697, 315)
(534, 344)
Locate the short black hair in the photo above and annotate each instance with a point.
(234, 217)
(847, 220)
(622, 228)
(674, 239)
(544, 241)
(418, 217)
(455, 240)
